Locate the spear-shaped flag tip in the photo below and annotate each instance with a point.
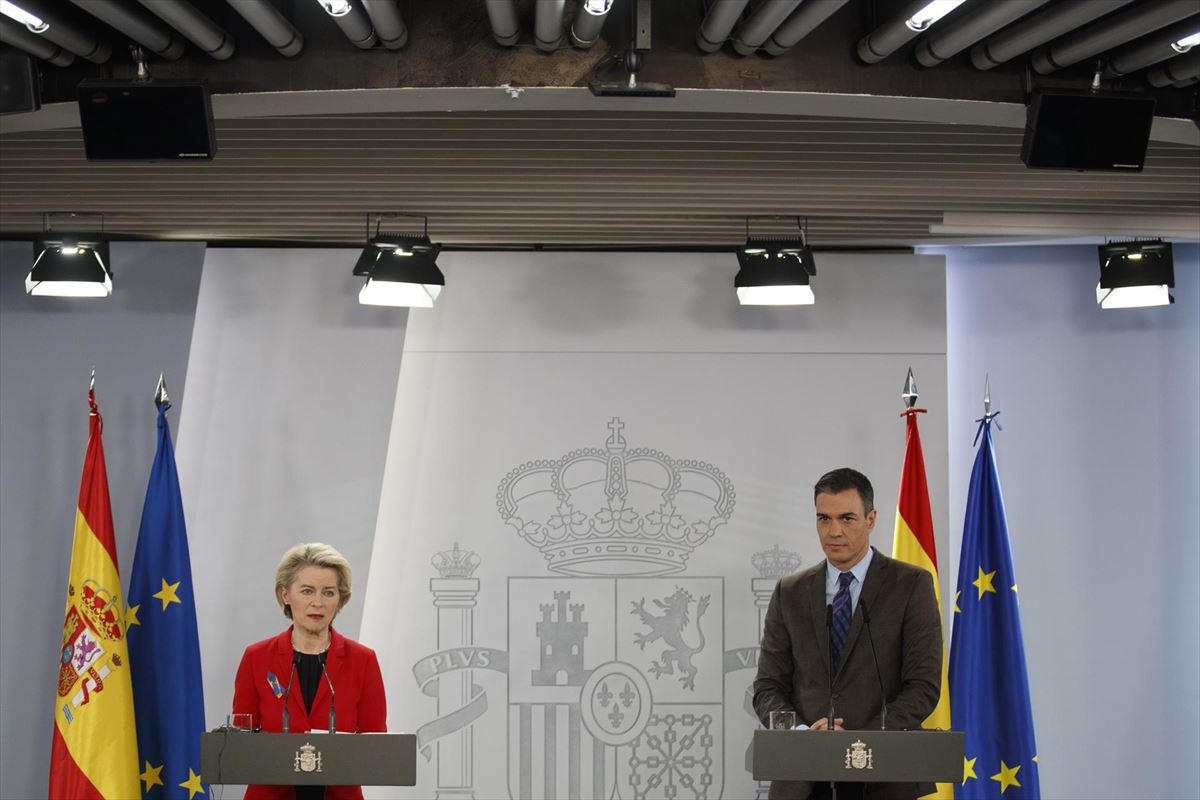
(910, 394)
(160, 393)
(987, 394)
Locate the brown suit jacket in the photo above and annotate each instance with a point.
(793, 663)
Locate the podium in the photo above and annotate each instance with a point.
(306, 759)
(868, 756)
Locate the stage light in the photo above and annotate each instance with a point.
(70, 265)
(33, 22)
(931, 13)
(775, 272)
(1135, 274)
(400, 270)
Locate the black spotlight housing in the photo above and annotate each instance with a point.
(400, 271)
(1135, 274)
(775, 272)
(70, 265)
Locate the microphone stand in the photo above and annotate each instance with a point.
(878, 674)
(829, 724)
(325, 672)
(288, 692)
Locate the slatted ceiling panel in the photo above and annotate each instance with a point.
(575, 179)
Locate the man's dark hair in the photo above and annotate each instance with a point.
(839, 480)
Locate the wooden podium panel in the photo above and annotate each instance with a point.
(872, 756)
(304, 759)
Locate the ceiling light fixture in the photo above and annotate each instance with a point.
(336, 8)
(1186, 43)
(775, 271)
(1135, 274)
(70, 264)
(32, 21)
(931, 13)
(401, 270)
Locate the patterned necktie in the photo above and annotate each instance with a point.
(843, 610)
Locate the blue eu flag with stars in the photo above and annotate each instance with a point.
(164, 649)
(989, 686)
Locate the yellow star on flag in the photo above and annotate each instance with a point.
(131, 616)
(969, 769)
(957, 595)
(1007, 776)
(151, 776)
(167, 594)
(192, 784)
(983, 583)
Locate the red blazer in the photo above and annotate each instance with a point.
(358, 685)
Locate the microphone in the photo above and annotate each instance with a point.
(878, 674)
(325, 672)
(829, 629)
(288, 692)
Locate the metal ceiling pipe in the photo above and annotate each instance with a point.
(389, 25)
(17, 35)
(801, 23)
(1185, 83)
(718, 24)
(1107, 34)
(762, 23)
(271, 25)
(353, 22)
(502, 14)
(68, 36)
(199, 29)
(961, 34)
(547, 24)
(1151, 49)
(589, 21)
(1054, 21)
(146, 31)
(1178, 69)
(891, 35)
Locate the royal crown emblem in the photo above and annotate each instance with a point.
(100, 609)
(308, 759)
(615, 510)
(456, 563)
(858, 756)
(776, 562)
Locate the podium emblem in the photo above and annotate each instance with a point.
(858, 756)
(308, 759)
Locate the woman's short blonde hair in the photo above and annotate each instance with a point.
(313, 554)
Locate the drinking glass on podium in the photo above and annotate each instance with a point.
(782, 720)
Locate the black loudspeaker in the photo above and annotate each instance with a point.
(1087, 131)
(146, 121)
(18, 83)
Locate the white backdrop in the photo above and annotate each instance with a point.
(611, 440)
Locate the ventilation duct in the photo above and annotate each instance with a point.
(547, 24)
(718, 23)
(271, 25)
(502, 15)
(82, 43)
(1054, 21)
(589, 21)
(18, 36)
(754, 31)
(1150, 50)
(961, 34)
(145, 30)
(199, 29)
(801, 23)
(389, 26)
(1107, 34)
(353, 22)
(1180, 69)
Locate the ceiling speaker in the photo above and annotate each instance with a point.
(146, 121)
(1087, 131)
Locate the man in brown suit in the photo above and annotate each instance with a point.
(793, 663)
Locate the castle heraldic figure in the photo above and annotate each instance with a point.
(815, 617)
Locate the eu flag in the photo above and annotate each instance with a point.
(164, 650)
(989, 687)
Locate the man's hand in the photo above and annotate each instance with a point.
(823, 724)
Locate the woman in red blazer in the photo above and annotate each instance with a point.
(312, 585)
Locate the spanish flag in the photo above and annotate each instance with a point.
(913, 542)
(94, 750)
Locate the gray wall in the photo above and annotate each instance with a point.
(48, 347)
(290, 384)
(1100, 463)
